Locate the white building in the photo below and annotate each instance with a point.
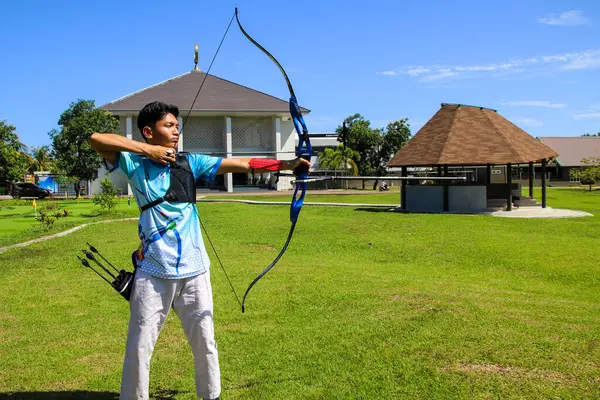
(227, 120)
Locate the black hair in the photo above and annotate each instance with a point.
(154, 112)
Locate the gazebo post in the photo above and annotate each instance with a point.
(544, 183)
(531, 178)
(403, 188)
(446, 190)
(509, 196)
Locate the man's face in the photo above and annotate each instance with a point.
(165, 132)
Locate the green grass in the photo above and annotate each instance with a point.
(18, 221)
(364, 305)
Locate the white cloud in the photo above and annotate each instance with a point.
(591, 112)
(567, 18)
(532, 66)
(411, 71)
(592, 115)
(528, 122)
(585, 60)
(534, 103)
(441, 74)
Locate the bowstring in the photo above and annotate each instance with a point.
(183, 124)
(221, 264)
(206, 75)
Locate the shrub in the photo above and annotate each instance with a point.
(51, 205)
(107, 199)
(46, 220)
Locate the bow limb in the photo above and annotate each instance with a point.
(304, 151)
(287, 242)
(291, 89)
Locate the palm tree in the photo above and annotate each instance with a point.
(339, 159)
(42, 159)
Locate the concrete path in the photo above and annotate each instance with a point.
(539, 212)
(287, 203)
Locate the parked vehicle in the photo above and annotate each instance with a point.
(26, 189)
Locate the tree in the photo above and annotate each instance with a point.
(396, 135)
(13, 159)
(591, 134)
(364, 140)
(590, 173)
(373, 147)
(74, 155)
(339, 159)
(107, 198)
(41, 159)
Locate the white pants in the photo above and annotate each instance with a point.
(150, 302)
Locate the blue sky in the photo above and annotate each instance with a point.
(536, 62)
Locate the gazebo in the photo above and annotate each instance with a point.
(460, 136)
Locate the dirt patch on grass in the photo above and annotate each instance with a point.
(262, 247)
(99, 363)
(423, 302)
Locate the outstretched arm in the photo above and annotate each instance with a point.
(245, 165)
(109, 144)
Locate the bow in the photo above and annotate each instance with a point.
(304, 150)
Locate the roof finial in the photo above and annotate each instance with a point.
(196, 58)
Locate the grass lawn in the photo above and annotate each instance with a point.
(18, 221)
(365, 304)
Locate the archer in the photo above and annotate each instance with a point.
(173, 268)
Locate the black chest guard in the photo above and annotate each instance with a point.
(182, 187)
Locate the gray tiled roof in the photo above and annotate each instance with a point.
(217, 95)
(470, 135)
(573, 149)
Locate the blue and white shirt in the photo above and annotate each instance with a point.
(170, 232)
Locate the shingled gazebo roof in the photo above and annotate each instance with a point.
(217, 96)
(469, 135)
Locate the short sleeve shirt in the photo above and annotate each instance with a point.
(170, 232)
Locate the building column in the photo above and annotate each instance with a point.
(228, 153)
(180, 142)
(544, 183)
(129, 135)
(509, 196)
(277, 141)
(403, 188)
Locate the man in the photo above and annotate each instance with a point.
(174, 267)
